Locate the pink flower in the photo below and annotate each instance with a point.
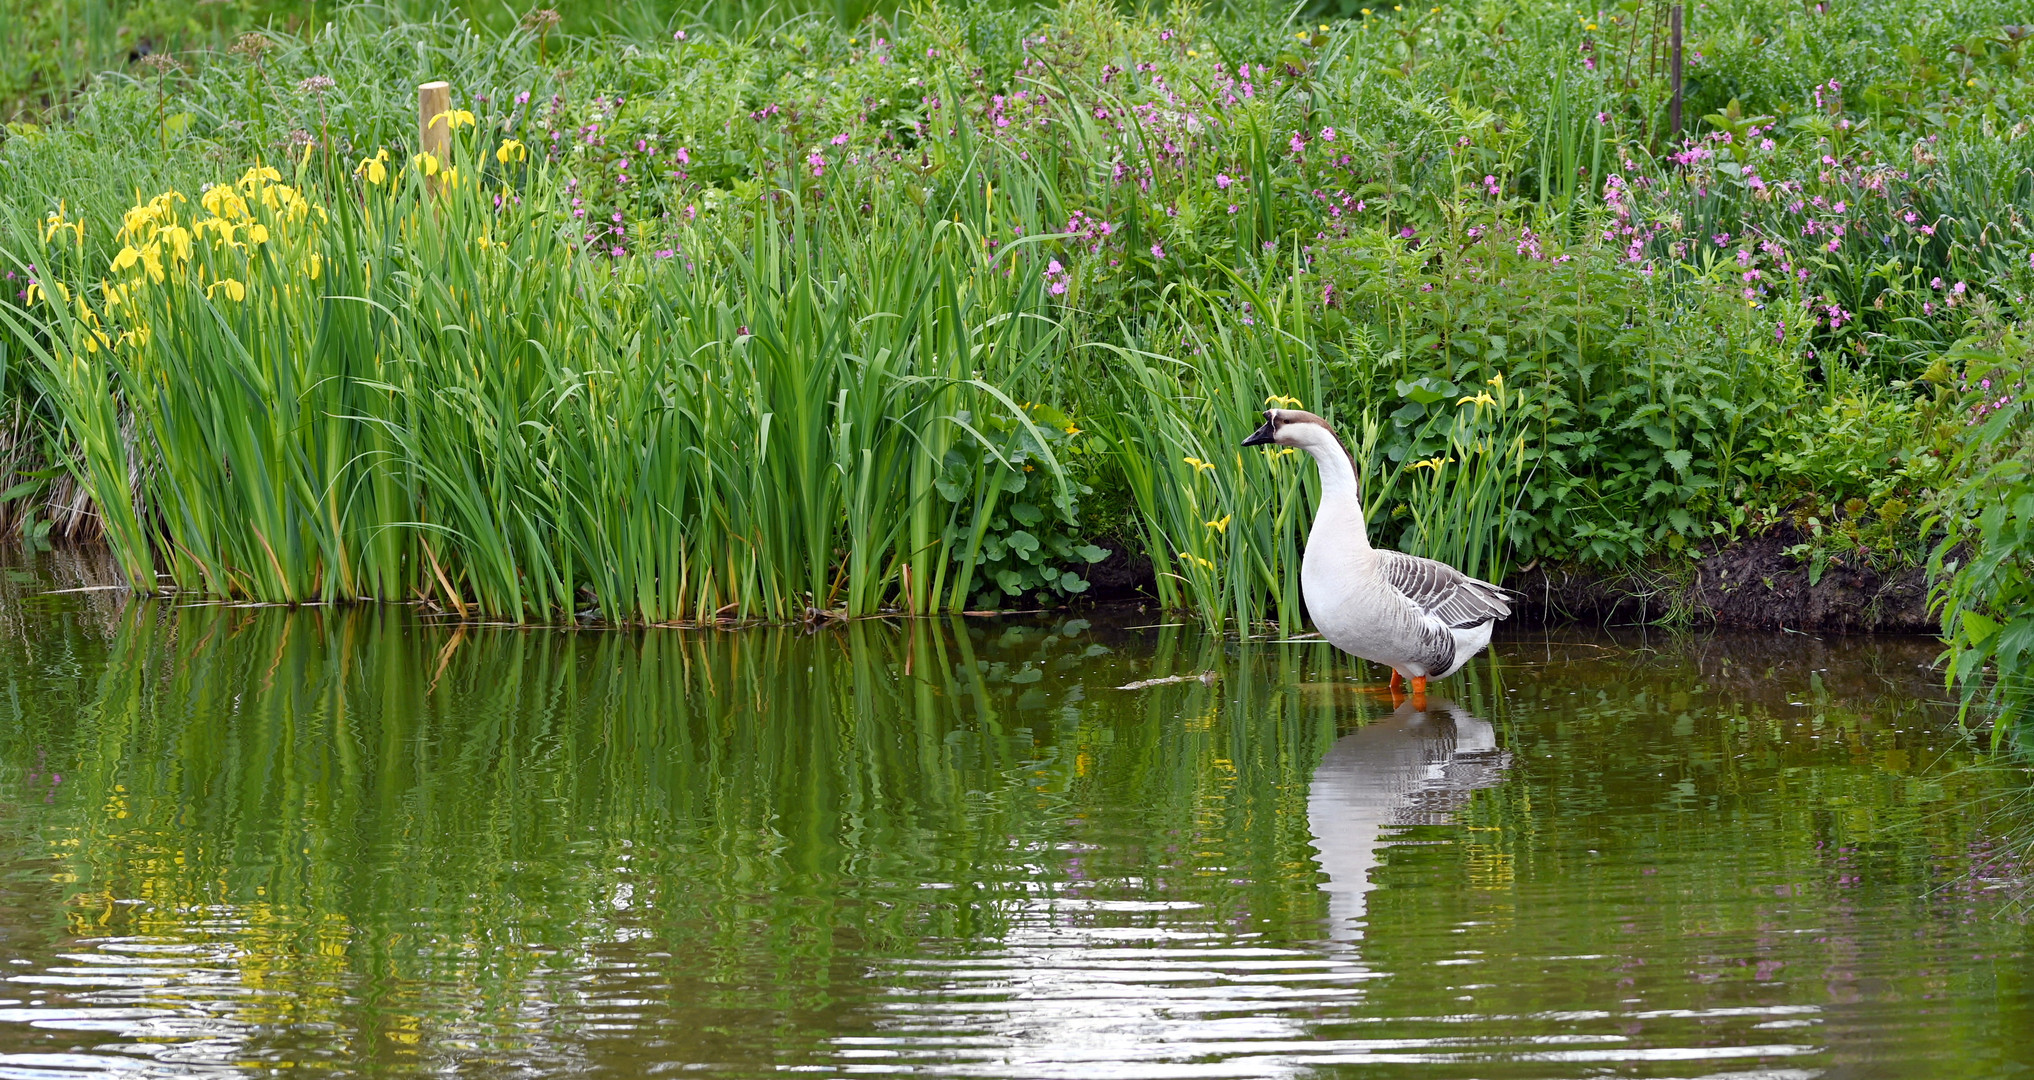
(840, 139)
(1158, 252)
(1222, 181)
(1053, 269)
(1957, 288)
(1298, 144)
(818, 163)
(1327, 134)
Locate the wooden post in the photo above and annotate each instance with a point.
(1674, 43)
(434, 128)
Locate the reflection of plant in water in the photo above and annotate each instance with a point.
(371, 819)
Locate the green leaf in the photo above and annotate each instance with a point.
(1679, 459)
(1092, 553)
(1976, 628)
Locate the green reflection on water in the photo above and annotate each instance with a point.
(351, 839)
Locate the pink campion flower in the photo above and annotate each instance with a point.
(1327, 134)
(1928, 308)
(1935, 283)
(818, 163)
(682, 157)
(1406, 233)
(1490, 185)
(1839, 208)
(1744, 256)
(1836, 243)
(1908, 217)
(679, 36)
(840, 139)
(1054, 269)
(1058, 288)
(1232, 208)
(1928, 230)
(1157, 251)
(1222, 181)
(1298, 144)
(1957, 288)
(1780, 331)
(1766, 145)
(1720, 239)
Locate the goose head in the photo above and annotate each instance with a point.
(1293, 427)
(1302, 430)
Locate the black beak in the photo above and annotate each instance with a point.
(1260, 437)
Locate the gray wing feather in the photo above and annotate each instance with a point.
(1440, 590)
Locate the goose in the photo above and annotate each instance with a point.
(1423, 619)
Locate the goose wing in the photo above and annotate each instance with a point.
(1440, 590)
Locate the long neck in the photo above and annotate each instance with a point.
(1341, 499)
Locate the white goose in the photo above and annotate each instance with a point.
(1424, 619)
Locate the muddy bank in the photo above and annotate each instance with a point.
(1751, 585)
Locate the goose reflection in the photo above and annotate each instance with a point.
(1414, 767)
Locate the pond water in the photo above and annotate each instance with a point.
(246, 841)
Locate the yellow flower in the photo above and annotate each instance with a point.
(151, 261)
(179, 239)
(511, 151)
(1433, 463)
(1591, 26)
(223, 203)
(425, 163)
(1281, 399)
(1481, 398)
(1324, 28)
(1496, 380)
(137, 336)
(314, 264)
(127, 257)
(252, 178)
(1072, 430)
(1193, 52)
(454, 119)
(1191, 559)
(235, 291)
(1198, 464)
(36, 290)
(374, 168)
(56, 223)
(1221, 525)
(451, 178)
(257, 233)
(1366, 11)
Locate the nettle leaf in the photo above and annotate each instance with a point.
(1679, 459)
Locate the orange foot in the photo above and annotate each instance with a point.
(1397, 681)
(1419, 694)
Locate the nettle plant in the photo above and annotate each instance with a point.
(1020, 518)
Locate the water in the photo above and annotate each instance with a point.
(244, 841)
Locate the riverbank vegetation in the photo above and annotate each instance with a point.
(935, 309)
